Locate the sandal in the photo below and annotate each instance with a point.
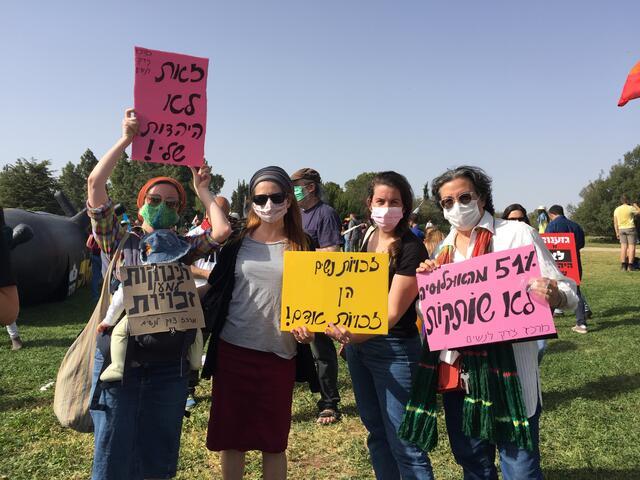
(328, 416)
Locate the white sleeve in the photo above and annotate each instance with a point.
(116, 308)
(549, 269)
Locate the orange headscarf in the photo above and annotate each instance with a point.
(156, 180)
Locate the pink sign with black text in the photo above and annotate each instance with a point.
(484, 300)
(170, 100)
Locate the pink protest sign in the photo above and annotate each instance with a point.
(170, 99)
(483, 300)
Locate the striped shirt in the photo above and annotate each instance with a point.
(108, 232)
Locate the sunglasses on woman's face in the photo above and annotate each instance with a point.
(275, 198)
(463, 199)
(155, 200)
(517, 219)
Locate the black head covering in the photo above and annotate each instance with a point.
(273, 174)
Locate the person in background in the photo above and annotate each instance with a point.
(542, 218)
(321, 222)
(561, 224)
(623, 223)
(201, 269)
(382, 366)
(415, 228)
(518, 213)
(96, 267)
(432, 238)
(502, 404)
(252, 361)
(353, 237)
(9, 301)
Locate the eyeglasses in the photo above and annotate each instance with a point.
(517, 219)
(155, 200)
(463, 198)
(275, 198)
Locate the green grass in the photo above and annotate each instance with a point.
(589, 428)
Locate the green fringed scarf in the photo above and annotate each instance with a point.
(493, 409)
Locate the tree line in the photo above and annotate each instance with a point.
(30, 185)
(601, 196)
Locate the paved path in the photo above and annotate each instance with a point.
(601, 249)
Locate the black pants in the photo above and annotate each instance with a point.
(324, 354)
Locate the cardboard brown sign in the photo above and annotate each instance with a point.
(160, 298)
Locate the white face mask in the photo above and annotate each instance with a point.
(271, 212)
(463, 217)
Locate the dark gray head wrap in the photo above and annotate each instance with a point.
(273, 174)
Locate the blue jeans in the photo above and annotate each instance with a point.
(137, 435)
(477, 457)
(381, 371)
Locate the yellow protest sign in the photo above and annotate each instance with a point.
(347, 289)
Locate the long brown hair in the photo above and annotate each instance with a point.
(400, 183)
(297, 239)
(432, 238)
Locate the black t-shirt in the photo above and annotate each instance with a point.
(412, 252)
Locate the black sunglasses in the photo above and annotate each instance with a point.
(275, 198)
(463, 199)
(155, 201)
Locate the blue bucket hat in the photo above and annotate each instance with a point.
(162, 246)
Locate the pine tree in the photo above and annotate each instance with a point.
(30, 185)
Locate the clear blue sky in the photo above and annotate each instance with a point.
(526, 90)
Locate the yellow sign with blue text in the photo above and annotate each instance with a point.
(346, 289)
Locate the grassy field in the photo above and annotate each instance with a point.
(590, 427)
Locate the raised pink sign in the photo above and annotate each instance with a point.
(484, 300)
(170, 99)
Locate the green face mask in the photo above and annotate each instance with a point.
(298, 191)
(159, 216)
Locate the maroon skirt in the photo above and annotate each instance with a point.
(251, 400)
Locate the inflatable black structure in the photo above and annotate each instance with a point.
(55, 262)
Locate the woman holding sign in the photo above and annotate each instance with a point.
(253, 362)
(499, 403)
(137, 421)
(382, 367)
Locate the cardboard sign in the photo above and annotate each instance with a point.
(170, 99)
(347, 289)
(160, 298)
(563, 248)
(483, 300)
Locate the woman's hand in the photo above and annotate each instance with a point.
(547, 289)
(201, 178)
(427, 266)
(130, 125)
(344, 336)
(303, 335)
(338, 333)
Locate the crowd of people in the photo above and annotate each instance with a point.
(238, 267)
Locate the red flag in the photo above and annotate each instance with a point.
(631, 88)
